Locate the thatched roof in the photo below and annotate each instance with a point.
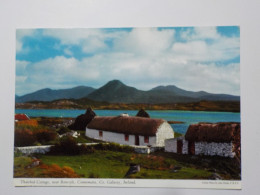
(213, 132)
(126, 124)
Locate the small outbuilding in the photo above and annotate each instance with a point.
(221, 139)
(21, 117)
(130, 130)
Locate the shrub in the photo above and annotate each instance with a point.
(44, 135)
(113, 147)
(68, 146)
(55, 171)
(63, 130)
(23, 137)
(31, 122)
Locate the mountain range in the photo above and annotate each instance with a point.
(117, 92)
(48, 94)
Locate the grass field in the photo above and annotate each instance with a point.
(111, 164)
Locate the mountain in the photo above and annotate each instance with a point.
(116, 92)
(200, 95)
(49, 94)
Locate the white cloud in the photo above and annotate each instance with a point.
(68, 52)
(71, 36)
(143, 41)
(201, 51)
(205, 33)
(141, 72)
(90, 40)
(21, 66)
(20, 34)
(143, 58)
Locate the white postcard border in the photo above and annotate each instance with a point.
(154, 183)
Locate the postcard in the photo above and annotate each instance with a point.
(128, 107)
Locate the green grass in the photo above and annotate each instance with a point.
(84, 139)
(20, 167)
(108, 164)
(100, 164)
(176, 134)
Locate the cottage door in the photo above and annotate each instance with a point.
(137, 140)
(179, 146)
(191, 148)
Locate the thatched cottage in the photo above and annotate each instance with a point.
(130, 130)
(221, 139)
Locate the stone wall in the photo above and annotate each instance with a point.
(34, 149)
(205, 148)
(145, 149)
(212, 148)
(185, 146)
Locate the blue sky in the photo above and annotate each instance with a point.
(193, 58)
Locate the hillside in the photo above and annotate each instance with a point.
(50, 95)
(117, 92)
(84, 103)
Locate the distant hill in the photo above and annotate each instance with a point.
(200, 95)
(50, 95)
(117, 92)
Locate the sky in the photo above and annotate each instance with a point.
(192, 58)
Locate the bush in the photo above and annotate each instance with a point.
(30, 122)
(68, 146)
(113, 147)
(23, 137)
(63, 130)
(26, 135)
(55, 171)
(44, 135)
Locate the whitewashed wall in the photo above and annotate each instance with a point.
(171, 145)
(152, 141)
(118, 137)
(220, 149)
(164, 132)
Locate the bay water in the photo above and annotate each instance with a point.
(187, 117)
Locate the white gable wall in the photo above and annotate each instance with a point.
(164, 132)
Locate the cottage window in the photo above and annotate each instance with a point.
(126, 137)
(146, 139)
(100, 133)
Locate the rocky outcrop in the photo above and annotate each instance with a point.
(83, 120)
(143, 113)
